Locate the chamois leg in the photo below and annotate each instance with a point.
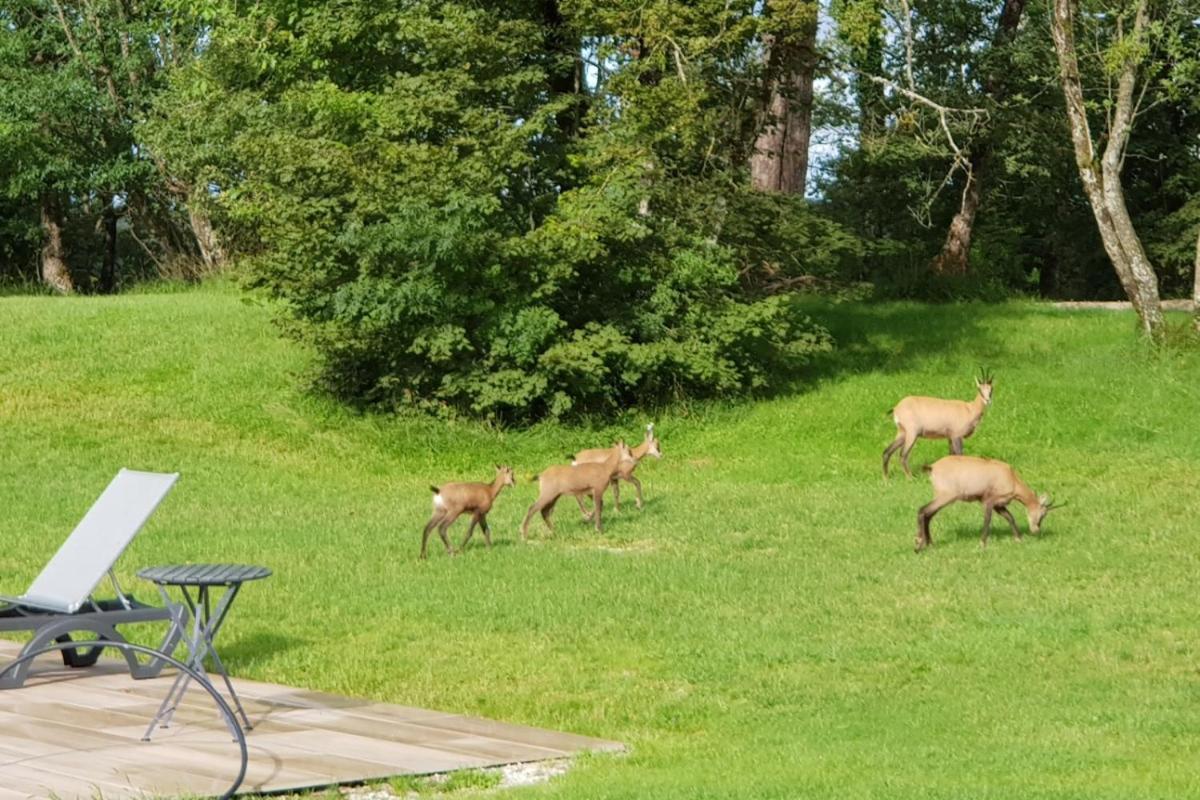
(533, 509)
(956, 446)
(616, 487)
(433, 521)
(547, 510)
(924, 516)
(470, 530)
(1012, 523)
(637, 485)
(447, 521)
(891, 448)
(987, 524)
(910, 439)
(487, 532)
(598, 504)
(587, 515)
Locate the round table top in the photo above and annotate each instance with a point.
(203, 574)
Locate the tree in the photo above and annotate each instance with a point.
(1196, 289)
(458, 225)
(1101, 177)
(779, 162)
(957, 247)
(75, 77)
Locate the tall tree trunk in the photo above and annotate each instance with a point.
(779, 162)
(1196, 289)
(957, 247)
(54, 259)
(108, 268)
(211, 252)
(565, 73)
(1103, 185)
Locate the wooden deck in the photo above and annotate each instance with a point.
(77, 733)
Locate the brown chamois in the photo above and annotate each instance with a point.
(993, 483)
(934, 418)
(453, 499)
(576, 479)
(648, 447)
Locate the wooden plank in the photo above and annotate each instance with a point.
(424, 734)
(38, 783)
(405, 757)
(173, 769)
(72, 733)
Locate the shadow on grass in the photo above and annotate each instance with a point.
(896, 336)
(256, 646)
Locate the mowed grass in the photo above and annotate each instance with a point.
(762, 629)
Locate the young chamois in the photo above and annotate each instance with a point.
(934, 418)
(991, 482)
(648, 447)
(577, 479)
(454, 499)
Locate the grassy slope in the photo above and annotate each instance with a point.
(762, 629)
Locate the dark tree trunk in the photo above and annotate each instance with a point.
(957, 248)
(1196, 289)
(565, 72)
(108, 269)
(1048, 276)
(779, 162)
(55, 273)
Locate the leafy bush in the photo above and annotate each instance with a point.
(446, 244)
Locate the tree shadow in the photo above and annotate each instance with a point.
(889, 337)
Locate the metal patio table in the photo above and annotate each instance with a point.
(206, 621)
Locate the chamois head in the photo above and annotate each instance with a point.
(984, 384)
(652, 446)
(1044, 506)
(505, 475)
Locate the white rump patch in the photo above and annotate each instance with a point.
(438, 502)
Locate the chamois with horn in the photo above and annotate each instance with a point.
(993, 483)
(649, 447)
(576, 479)
(934, 418)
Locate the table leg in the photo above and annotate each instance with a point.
(210, 633)
(199, 645)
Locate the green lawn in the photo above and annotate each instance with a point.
(763, 629)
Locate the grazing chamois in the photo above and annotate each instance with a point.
(648, 447)
(934, 418)
(577, 479)
(993, 483)
(453, 499)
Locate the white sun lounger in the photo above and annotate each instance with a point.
(60, 601)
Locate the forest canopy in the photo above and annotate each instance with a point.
(541, 208)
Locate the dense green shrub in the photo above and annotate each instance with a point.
(447, 242)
